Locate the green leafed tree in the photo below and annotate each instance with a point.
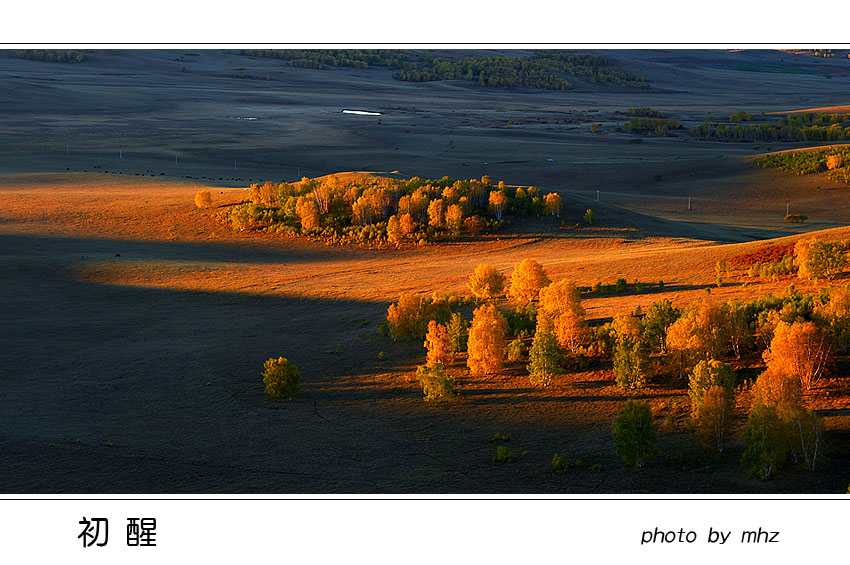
(546, 355)
(767, 441)
(631, 357)
(436, 384)
(635, 434)
(281, 378)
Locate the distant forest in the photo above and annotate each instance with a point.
(544, 69)
(808, 126)
(50, 56)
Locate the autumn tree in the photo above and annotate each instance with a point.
(437, 213)
(631, 358)
(707, 374)
(820, 259)
(834, 161)
(834, 316)
(498, 200)
(827, 258)
(799, 350)
(454, 219)
(527, 279)
(553, 204)
(701, 333)
(438, 345)
(203, 199)
(712, 393)
(545, 355)
(263, 194)
(486, 345)
(406, 318)
(407, 225)
(561, 303)
(776, 389)
(308, 213)
(281, 378)
(394, 233)
(635, 434)
(740, 333)
(486, 282)
(474, 225)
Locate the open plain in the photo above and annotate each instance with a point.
(135, 325)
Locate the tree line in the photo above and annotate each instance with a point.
(383, 210)
(808, 126)
(543, 69)
(50, 55)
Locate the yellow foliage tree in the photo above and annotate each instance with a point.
(394, 233)
(552, 204)
(406, 318)
(778, 389)
(454, 219)
(498, 200)
(702, 332)
(486, 345)
(486, 282)
(437, 213)
(408, 226)
(527, 279)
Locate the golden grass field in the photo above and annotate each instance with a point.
(135, 325)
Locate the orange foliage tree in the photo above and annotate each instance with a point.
(527, 279)
(486, 282)
(308, 213)
(800, 351)
(438, 345)
(486, 345)
(561, 302)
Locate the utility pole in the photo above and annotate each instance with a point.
(788, 208)
(689, 202)
(597, 196)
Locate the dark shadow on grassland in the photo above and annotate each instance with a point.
(610, 215)
(112, 389)
(251, 251)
